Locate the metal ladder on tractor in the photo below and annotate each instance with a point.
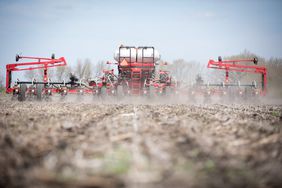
(136, 83)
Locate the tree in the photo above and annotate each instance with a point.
(87, 69)
(32, 74)
(274, 69)
(185, 71)
(99, 67)
(83, 70)
(78, 69)
(63, 73)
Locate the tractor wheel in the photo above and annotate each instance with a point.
(39, 89)
(22, 92)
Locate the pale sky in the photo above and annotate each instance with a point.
(192, 30)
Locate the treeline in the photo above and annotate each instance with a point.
(183, 71)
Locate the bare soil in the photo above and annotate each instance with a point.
(89, 144)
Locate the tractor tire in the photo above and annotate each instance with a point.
(39, 89)
(22, 92)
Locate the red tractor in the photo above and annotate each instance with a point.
(137, 71)
(136, 68)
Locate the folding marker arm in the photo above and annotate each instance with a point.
(35, 63)
(234, 65)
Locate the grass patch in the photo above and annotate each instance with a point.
(275, 113)
(2, 90)
(209, 165)
(117, 161)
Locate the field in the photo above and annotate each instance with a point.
(139, 144)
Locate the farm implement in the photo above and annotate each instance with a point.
(231, 90)
(35, 89)
(137, 76)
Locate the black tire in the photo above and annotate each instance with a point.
(17, 58)
(219, 58)
(255, 60)
(39, 89)
(22, 92)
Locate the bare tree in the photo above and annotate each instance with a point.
(38, 74)
(87, 69)
(185, 71)
(78, 69)
(60, 71)
(51, 73)
(63, 73)
(274, 68)
(31, 74)
(99, 67)
(83, 69)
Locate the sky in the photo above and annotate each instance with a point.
(194, 30)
